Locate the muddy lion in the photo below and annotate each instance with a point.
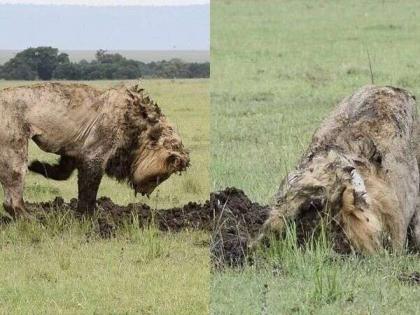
(361, 170)
(120, 132)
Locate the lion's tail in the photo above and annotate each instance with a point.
(61, 171)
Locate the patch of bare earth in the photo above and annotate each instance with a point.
(230, 217)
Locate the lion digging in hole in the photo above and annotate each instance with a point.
(120, 132)
(361, 169)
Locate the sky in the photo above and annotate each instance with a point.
(108, 2)
(136, 25)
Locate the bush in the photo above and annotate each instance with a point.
(45, 63)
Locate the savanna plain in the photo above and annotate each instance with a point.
(61, 265)
(278, 69)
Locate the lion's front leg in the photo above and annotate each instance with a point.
(89, 179)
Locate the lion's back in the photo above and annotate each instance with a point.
(48, 96)
(376, 113)
(378, 124)
(54, 112)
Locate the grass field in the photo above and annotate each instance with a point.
(63, 267)
(278, 68)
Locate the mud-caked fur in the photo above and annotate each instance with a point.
(120, 132)
(361, 168)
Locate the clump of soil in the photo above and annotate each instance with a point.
(237, 220)
(308, 227)
(410, 278)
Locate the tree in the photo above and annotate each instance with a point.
(16, 69)
(103, 57)
(63, 58)
(47, 63)
(40, 61)
(68, 71)
(199, 70)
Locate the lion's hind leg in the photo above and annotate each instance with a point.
(414, 228)
(12, 173)
(13, 201)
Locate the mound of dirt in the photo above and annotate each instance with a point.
(229, 215)
(237, 220)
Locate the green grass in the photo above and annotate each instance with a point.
(314, 281)
(278, 68)
(62, 266)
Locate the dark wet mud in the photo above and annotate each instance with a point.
(229, 216)
(237, 221)
(410, 278)
(308, 227)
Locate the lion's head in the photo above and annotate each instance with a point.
(153, 149)
(330, 185)
(319, 184)
(161, 154)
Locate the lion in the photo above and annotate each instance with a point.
(360, 170)
(119, 132)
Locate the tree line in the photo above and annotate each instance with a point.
(47, 63)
